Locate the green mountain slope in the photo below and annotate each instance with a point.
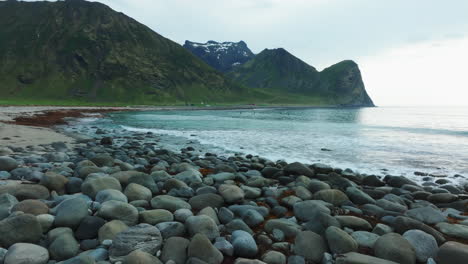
(277, 70)
(84, 51)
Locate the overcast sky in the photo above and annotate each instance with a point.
(411, 52)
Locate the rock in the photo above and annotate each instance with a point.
(25, 174)
(399, 181)
(427, 215)
(175, 249)
(391, 206)
(5, 151)
(171, 229)
(339, 241)
(54, 182)
(34, 207)
(91, 186)
(394, 247)
(224, 246)
(103, 160)
(156, 216)
(142, 237)
(316, 185)
(200, 247)
(382, 229)
(106, 141)
(453, 230)
(452, 252)
(201, 201)
(354, 222)
(89, 227)
(231, 193)
(190, 176)
(359, 197)
(310, 245)
(115, 210)
(46, 221)
(110, 230)
(303, 193)
(333, 196)
(25, 191)
(70, 212)
(146, 181)
(181, 215)
(202, 224)
(365, 239)
(19, 228)
(356, 258)
(73, 185)
(7, 201)
(252, 218)
(297, 168)
(289, 228)
(141, 257)
(222, 177)
(425, 245)
(169, 203)
(442, 198)
(62, 243)
(307, 210)
(244, 244)
(136, 192)
(23, 253)
(110, 195)
(237, 224)
(7, 164)
(274, 257)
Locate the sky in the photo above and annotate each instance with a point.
(410, 52)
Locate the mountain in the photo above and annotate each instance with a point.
(221, 56)
(278, 70)
(83, 51)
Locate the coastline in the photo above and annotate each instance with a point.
(278, 210)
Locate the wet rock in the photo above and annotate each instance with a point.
(89, 227)
(156, 216)
(7, 163)
(354, 222)
(359, 197)
(307, 210)
(231, 193)
(356, 258)
(63, 244)
(69, 213)
(453, 230)
(442, 198)
(427, 215)
(135, 192)
(91, 186)
(110, 195)
(110, 230)
(289, 228)
(297, 168)
(365, 239)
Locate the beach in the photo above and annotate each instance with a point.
(107, 197)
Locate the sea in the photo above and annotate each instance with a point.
(378, 141)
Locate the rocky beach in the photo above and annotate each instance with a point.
(105, 197)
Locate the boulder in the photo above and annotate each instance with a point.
(452, 252)
(357, 258)
(19, 228)
(333, 196)
(359, 197)
(202, 224)
(169, 203)
(307, 210)
(142, 237)
(54, 182)
(201, 201)
(89, 227)
(425, 245)
(24, 253)
(175, 249)
(297, 168)
(25, 191)
(289, 228)
(34, 207)
(339, 241)
(310, 245)
(231, 193)
(155, 216)
(200, 247)
(70, 212)
(63, 244)
(394, 247)
(91, 186)
(427, 215)
(135, 192)
(244, 244)
(110, 230)
(453, 230)
(115, 210)
(7, 163)
(141, 257)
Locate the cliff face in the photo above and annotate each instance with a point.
(277, 69)
(222, 56)
(86, 51)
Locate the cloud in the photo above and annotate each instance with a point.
(429, 73)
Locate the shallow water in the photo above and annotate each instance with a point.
(401, 140)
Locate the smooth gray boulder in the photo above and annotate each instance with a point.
(394, 247)
(70, 212)
(202, 224)
(310, 245)
(244, 244)
(339, 241)
(24, 253)
(200, 247)
(425, 245)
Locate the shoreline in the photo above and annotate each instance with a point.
(235, 208)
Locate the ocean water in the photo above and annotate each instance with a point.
(380, 141)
